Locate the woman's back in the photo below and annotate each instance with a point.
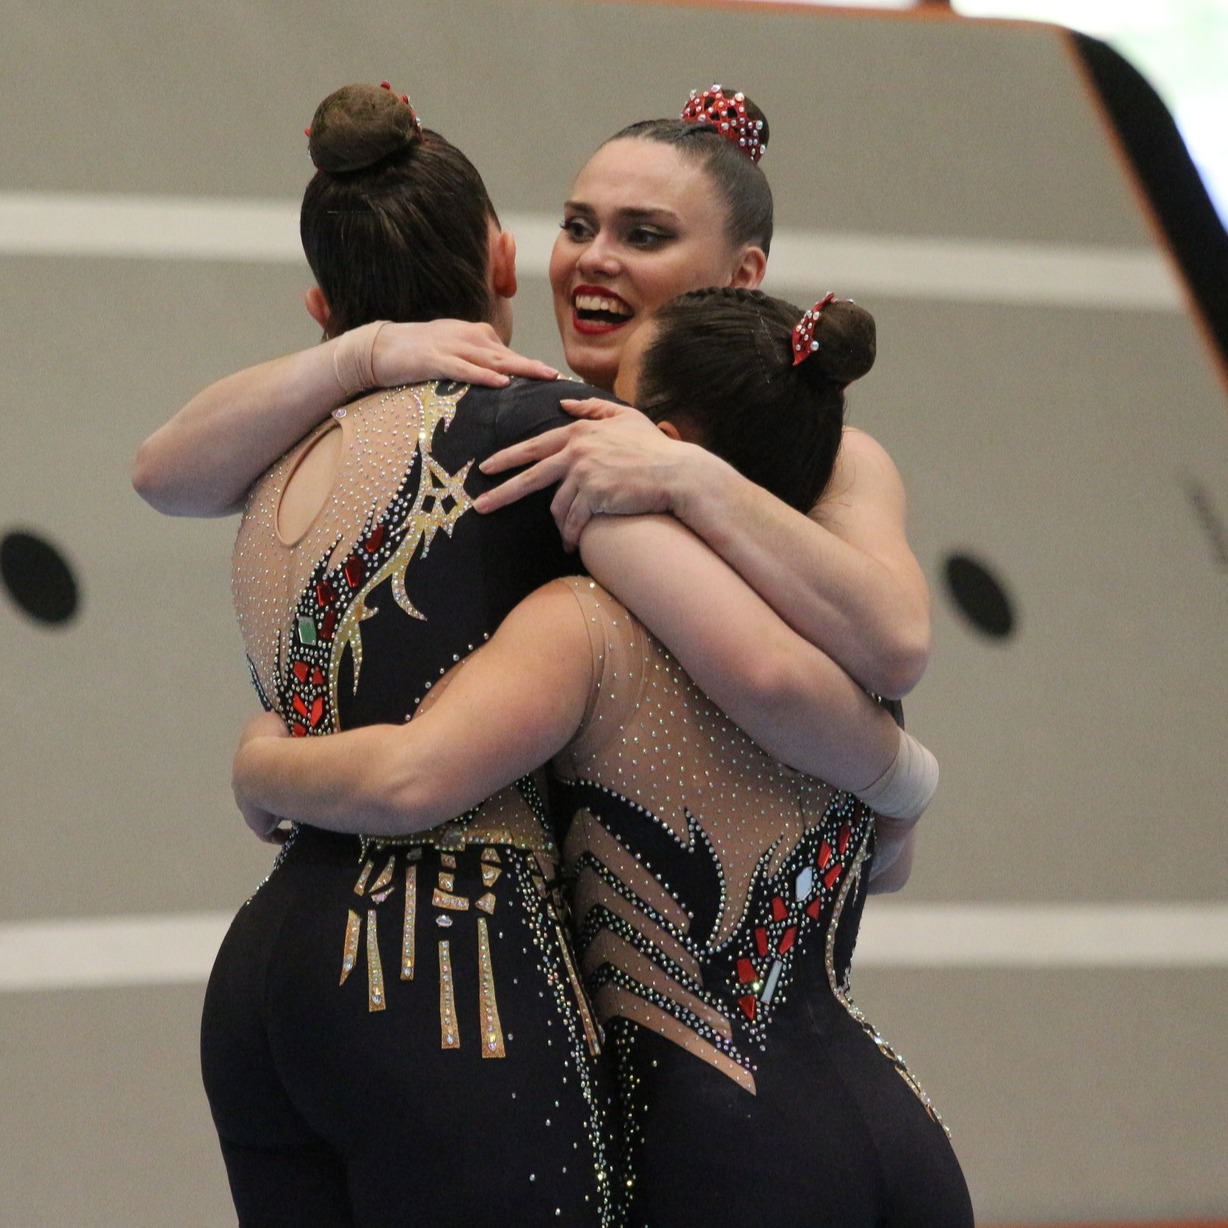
(717, 895)
(376, 1000)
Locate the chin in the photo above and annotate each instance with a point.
(600, 370)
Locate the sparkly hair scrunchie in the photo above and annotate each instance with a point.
(804, 343)
(726, 115)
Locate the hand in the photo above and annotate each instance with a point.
(614, 461)
(268, 827)
(894, 848)
(448, 349)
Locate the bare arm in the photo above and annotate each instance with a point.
(785, 693)
(503, 712)
(844, 578)
(202, 462)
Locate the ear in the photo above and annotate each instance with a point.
(318, 308)
(666, 427)
(503, 264)
(749, 270)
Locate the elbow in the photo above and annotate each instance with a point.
(163, 487)
(403, 807)
(145, 478)
(901, 661)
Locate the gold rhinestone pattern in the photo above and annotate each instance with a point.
(449, 1033)
(488, 1007)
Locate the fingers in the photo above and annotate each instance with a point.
(536, 477)
(527, 451)
(579, 513)
(560, 508)
(594, 407)
(517, 364)
(263, 825)
(495, 367)
(449, 349)
(471, 373)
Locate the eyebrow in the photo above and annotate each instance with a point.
(626, 214)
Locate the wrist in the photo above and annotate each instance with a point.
(698, 486)
(354, 358)
(906, 788)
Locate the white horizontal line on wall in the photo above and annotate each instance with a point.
(100, 952)
(962, 270)
(160, 227)
(1043, 935)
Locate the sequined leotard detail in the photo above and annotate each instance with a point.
(717, 895)
(396, 1028)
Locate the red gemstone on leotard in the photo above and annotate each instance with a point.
(832, 877)
(317, 710)
(373, 543)
(299, 706)
(300, 670)
(779, 911)
(325, 593)
(317, 676)
(354, 570)
(746, 971)
(845, 833)
(329, 625)
(824, 855)
(761, 944)
(787, 939)
(748, 1003)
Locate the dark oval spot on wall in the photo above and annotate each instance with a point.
(979, 596)
(38, 578)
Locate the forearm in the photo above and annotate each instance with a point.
(871, 615)
(504, 711)
(781, 690)
(366, 781)
(814, 717)
(202, 462)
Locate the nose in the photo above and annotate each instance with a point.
(599, 256)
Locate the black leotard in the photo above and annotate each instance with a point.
(717, 896)
(394, 1031)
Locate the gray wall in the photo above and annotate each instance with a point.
(1054, 433)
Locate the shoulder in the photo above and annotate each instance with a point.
(864, 479)
(527, 407)
(862, 452)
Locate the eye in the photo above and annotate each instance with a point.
(647, 236)
(577, 229)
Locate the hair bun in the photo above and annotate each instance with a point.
(359, 125)
(731, 115)
(835, 340)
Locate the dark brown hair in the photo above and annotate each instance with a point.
(394, 221)
(721, 363)
(747, 194)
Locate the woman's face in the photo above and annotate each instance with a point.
(643, 225)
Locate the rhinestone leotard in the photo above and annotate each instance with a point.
(397, 1025)
(717, 895)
